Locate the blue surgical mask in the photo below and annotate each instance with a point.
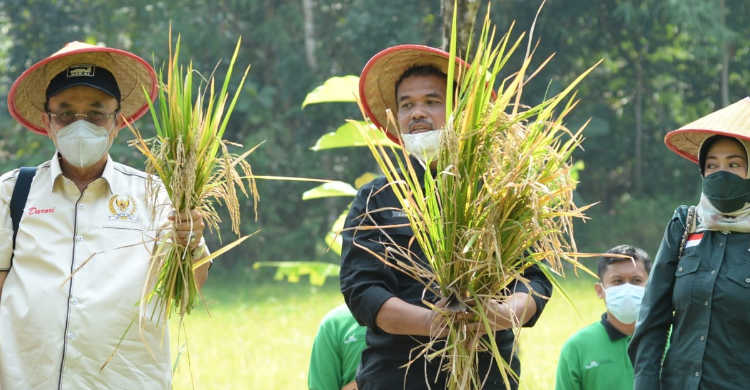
(624, 301)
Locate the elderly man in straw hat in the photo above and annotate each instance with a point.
(692, 330)
(411, 81)
(73, 269)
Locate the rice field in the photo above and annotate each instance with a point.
(260, 332)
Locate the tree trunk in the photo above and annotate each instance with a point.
(724, 60)
(467, 13)
(307, 10)
(638, 124)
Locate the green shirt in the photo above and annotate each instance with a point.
(705, 298)
(595, 358)
(336, 351)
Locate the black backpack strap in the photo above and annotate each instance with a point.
(20, 194)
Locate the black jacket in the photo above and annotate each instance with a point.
(368, 282)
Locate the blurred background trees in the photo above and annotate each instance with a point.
(666, 62)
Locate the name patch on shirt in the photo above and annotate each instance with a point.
(693, 240)
(122, 207)
(398, 214)
(35, 211)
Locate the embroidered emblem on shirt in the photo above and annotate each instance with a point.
(399, 214)
(34, 211)
(693, 240)
(122, 208)
(592, 364)
(350, 339)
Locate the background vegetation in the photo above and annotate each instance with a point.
(666, 62)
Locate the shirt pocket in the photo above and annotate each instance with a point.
(397, 230)
(684, 278)
(690, 252)
(131, 238)
(740, 274)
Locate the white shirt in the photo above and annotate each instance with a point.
(72, 291)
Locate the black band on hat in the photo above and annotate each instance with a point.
(87, 75)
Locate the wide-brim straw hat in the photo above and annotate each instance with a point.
(27, 95)
(731, 121)
(377, 83)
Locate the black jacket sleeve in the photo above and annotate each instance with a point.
(538, 286)
(366, 281)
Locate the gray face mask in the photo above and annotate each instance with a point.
(423, 146)
(726, 191)
(83, 143)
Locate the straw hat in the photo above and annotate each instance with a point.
(27, 95)
(377, 84)
(732, 121)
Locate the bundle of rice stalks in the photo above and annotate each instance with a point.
(500, 200)
(195, 168)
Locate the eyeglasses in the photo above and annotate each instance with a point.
(96, 117)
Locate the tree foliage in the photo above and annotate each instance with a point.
(665, 63)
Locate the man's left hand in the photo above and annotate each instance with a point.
(517, 309)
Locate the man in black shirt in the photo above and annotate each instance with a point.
(411, 80)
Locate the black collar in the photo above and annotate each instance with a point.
(613, 333)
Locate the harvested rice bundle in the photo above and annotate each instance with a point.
(499, 200)
(196, 170)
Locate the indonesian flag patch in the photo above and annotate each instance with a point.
(694, 239)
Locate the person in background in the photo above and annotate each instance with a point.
(336, 351)
(700, 283)
(69, 288)
(596, 356)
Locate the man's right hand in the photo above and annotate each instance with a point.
(399, 317)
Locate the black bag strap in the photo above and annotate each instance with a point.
(689, 221)
(20, 194)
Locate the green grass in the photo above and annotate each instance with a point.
(540, 345)
(259, 334)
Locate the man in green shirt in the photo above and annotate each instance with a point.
(596, 357)
(336, 351)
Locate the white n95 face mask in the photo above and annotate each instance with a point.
(624, 301)
(83, 143)
(423, 146)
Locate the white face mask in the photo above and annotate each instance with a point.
(83, 143)
(423, 146)
(624, 301)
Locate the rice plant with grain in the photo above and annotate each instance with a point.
(499, 201)
(196, 169)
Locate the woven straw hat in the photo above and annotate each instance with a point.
(377, 84)
(731, 121)
(27, 95)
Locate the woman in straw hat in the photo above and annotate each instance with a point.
(700, 283)
(73, 270)
(411, 82)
